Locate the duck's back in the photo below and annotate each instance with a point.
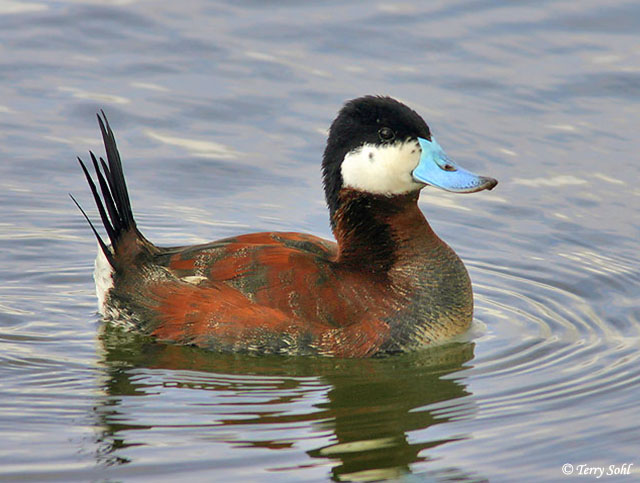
(288, 293)
(262, 292)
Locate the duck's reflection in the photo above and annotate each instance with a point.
(367, 416)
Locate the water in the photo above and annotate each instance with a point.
(221, 111)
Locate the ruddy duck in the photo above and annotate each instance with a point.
(387, 284)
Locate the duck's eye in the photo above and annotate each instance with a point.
(386, 134)
(448, 167)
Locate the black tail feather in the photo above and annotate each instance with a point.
(114, 205)
(103, 247)
(108, 200)
(116, 176)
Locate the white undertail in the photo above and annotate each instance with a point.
(103, 275)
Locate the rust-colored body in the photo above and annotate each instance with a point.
(392, 286)
(388, 284)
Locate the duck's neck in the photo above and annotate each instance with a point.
(376, 232)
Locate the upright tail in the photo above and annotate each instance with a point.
(114, 206)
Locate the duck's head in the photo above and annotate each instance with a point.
(379, 146)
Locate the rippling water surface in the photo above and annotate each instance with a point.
(221, 111)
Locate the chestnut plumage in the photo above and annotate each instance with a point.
(387, 284)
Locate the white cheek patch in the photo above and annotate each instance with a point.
(382, 169)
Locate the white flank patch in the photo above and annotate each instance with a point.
(103, 275)
(194, 279)
(382, 169)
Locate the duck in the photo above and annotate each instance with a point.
(387, 284)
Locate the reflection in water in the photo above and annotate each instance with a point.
(354, 416)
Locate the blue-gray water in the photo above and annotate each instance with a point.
(221, 111)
